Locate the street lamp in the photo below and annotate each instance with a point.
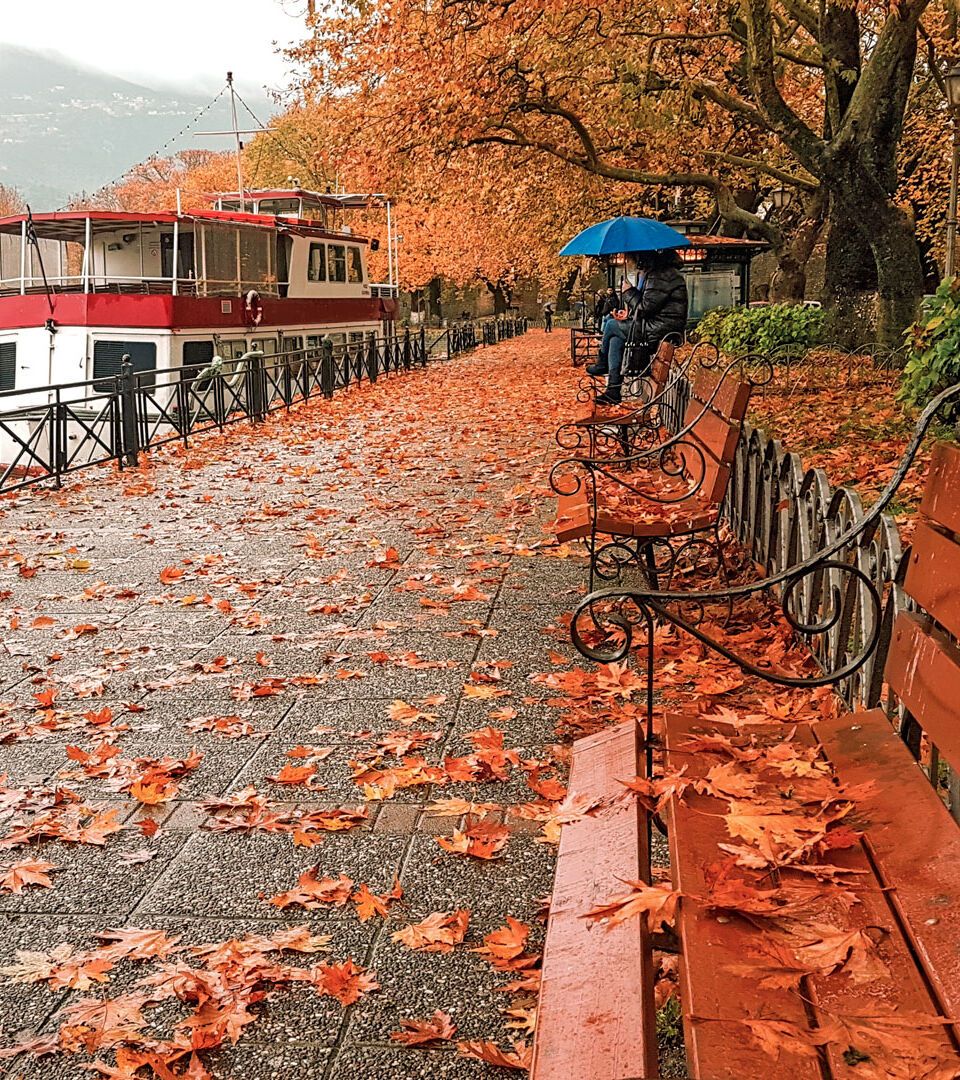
(952, 83)
(781, 197)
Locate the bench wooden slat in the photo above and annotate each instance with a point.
(923, 670)
(596, 1015)
(731, 399)
(941, 494)
(914, 842)
(929, 579)
(718, 1049)
(900, 989)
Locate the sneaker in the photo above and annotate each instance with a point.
(606, 398)
(597, 369)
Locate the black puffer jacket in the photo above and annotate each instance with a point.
(659, 306)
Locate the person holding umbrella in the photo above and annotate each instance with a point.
(654, 306)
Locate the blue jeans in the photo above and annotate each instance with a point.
(615, 335)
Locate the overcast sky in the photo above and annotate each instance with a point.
(184, 43)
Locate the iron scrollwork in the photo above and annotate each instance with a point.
(832, 600)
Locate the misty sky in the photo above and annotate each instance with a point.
(184, 43)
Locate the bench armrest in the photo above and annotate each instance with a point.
(815, 596)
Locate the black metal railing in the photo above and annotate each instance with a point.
(47, 432)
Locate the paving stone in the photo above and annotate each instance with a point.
(91, 879)
(25, 1006)
(222, 875)
(385, 1063)
(491, 888)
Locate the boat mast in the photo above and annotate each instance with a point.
(236, 134)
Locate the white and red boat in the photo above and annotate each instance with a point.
(273, 270)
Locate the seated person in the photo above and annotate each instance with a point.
(654, 307)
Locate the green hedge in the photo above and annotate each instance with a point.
(933, 344)
(761, 329)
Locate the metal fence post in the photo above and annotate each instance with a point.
(406, 349)
(128, 413)
(423, 347)
(58, 438)
(372, 360)
(326, 368)
(255, 388)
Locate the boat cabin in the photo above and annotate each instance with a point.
(78, 289)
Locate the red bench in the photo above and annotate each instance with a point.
(618, 430)
(822, 939)
(660, 506)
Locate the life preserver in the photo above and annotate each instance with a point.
(253, 306)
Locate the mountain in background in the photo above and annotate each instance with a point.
(65, 129)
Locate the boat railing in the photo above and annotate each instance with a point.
(138, 286)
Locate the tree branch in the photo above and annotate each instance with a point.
(762, 73)
(768, 170)
(726, 204)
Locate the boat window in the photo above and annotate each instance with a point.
(254, 255)
(197, 354)
(221, 245)
(8, 365)
(337, 262)
(268, 346)
(279, 206)
(232, 350)
(317, 266)
(356, 335)
(291, 344)
(108, 356)
(356, 265)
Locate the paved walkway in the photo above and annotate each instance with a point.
(324, 613)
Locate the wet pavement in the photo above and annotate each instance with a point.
(359, 581)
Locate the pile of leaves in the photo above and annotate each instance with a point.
(219, 986)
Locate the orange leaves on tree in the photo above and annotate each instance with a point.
(657, 902)
(439, 1028)
(438, 932)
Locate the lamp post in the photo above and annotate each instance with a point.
(781, 197)
(952, 83)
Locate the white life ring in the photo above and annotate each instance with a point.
(253, 306)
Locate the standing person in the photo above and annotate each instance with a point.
(548, 318)
(654, 306)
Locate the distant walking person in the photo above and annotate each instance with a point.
(548, 318)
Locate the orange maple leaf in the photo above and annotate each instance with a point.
(439, 1028)
(657, 902)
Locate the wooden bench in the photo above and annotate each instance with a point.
(662, 504)
(817, 866)
(617, 430)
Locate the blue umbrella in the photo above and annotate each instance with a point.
(622, 234)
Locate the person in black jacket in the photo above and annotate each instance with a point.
(654, 307)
